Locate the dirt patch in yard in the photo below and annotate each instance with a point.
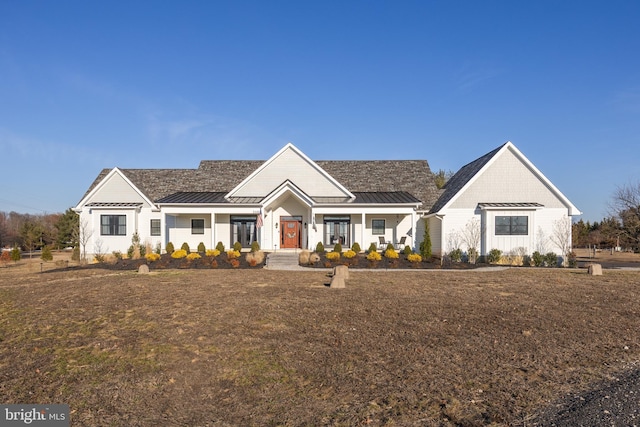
(259, 347)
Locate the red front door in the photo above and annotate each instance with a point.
(290, 234)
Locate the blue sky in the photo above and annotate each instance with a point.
(164, 84)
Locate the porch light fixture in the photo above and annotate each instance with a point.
(305, 225)
(276, 225)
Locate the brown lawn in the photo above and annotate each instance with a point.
(259, 347)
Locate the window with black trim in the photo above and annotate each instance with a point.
(197, 226)
(113, 225)
(377, 226)
(512, 225)
(244, 229)
(155, 227)
(337, 230)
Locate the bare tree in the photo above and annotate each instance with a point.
(471, 236)
(453, 241)
(442, 177)
(98, 251)
(541, 241)
(561, 237)
(625, 204)
(84, 235)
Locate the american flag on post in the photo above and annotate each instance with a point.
(259, 220)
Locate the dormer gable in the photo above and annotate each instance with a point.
(115, 189)
(486, 177)
(291, 164)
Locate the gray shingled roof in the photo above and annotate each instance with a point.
(218, 197)
(221, 176)
(461, 178)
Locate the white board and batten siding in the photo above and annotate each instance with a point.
(508, 179)
(304, 173)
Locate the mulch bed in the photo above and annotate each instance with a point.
(361, 261)
(222, 262)
(167, 262)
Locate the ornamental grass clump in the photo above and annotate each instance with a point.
(193, 255)
(349, 254)
(212, 253)
(303, 257)
(233, 254)
(255, 258)
(151, 257)
(179, 254)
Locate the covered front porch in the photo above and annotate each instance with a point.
(287, 228)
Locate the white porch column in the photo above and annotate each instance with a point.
(163, 233)
(213, 231)
(363, 225)
(311, 233)
(414, 224)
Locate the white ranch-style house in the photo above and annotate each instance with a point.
(290, 202)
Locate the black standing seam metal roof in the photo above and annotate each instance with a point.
(511, 205)
(204, 197)
(392, 197)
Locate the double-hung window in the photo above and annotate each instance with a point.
(197, 226)
(155, 227)
(377, 227)
(113, 225)
(512, 225)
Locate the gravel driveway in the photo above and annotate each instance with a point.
(616, 403)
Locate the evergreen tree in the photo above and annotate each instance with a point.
(67, 226)
(46, 253)
(31, 234)
(425, 245)
(15, 254)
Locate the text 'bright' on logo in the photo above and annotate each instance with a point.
(34, 415)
